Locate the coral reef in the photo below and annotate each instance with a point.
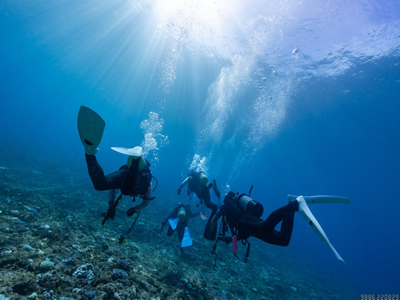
(52, 246)
(119, 274)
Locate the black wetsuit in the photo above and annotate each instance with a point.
(128, 179)
(246, 225)
(201, 190)
(180, 228)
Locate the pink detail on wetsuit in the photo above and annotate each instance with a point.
(234, 244)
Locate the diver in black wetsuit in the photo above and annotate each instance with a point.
(197, 181)
(247, 223)
(183, 213)
(133, 179)
(242, 214)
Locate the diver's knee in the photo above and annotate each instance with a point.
(99, 187)
(285, 243)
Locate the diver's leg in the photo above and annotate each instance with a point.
(181, 231)
(248, 225)
(267, 232)
(205, 194)
(170, 231)
(100, 181)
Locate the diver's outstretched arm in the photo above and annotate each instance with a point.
(183, 184)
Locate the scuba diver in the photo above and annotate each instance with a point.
(132, 179)
(197, 183)
(242, 214)
(178, 221)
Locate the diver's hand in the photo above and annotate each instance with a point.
(110, 214)
(179, 192)
(130, 212)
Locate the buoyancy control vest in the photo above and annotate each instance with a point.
(195, 184)
(142, 182)
(238, 205)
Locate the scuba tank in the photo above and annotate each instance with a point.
(248, 204)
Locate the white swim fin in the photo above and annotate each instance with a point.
(320, 199)
(312, 221)
(187, 240)
(173, 223)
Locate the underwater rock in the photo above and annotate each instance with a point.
(25, 287)
(27, 247)
(119, 285)
(119, 274)
(46, 264)
(6, 252)
(35, 213)
(67, 261)
(47, 280)
(110, 289)
(123, 265)
(46, 294)
(133, 288)
(185, 280)
(90, 294)
(84, 271)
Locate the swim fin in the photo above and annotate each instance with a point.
(136, 152)
(203, 217)
(90, 127)
(173, 223)
(215, 188)
(187, 240)
(321, 199)
(208, 234)
(309, 217)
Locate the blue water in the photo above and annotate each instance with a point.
(292, 98)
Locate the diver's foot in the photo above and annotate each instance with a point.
(90, 150)
(294, 204)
